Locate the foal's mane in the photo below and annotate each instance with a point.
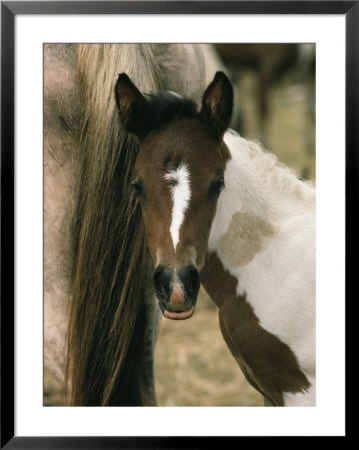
(274, 174)
(107, 314)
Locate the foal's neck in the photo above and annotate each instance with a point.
(260, 196)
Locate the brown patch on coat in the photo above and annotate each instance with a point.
(245, 232)
(268, 363)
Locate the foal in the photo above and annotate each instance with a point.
(219, 210)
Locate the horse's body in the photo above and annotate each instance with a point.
(93, 239)
(219, 210)
(260, 271)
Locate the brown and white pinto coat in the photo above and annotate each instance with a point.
(220, 211)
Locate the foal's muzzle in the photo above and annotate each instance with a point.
(176, 290)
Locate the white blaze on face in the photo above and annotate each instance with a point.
(181, 194)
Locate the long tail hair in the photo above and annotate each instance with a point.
(106, 311)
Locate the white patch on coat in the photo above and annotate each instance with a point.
(181, 193)
(279, 278)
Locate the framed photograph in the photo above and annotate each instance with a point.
(127, 200)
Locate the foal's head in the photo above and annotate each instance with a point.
(177, 179)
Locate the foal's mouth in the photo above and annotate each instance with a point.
(176, 290)
(180, 315)
(177, 315)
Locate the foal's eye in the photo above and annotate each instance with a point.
(138, 189)
(216, 186)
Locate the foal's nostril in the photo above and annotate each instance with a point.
(190, 279)
(161, 280)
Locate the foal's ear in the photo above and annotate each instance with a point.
(132, 106)
(217, 105)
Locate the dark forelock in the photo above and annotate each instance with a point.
(167, 106)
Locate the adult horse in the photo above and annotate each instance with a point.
(96, 256)
(219, 210)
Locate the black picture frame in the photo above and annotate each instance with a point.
(9, 10)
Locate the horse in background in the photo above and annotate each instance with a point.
(270, 64)
(219, 210)
(97, 268)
